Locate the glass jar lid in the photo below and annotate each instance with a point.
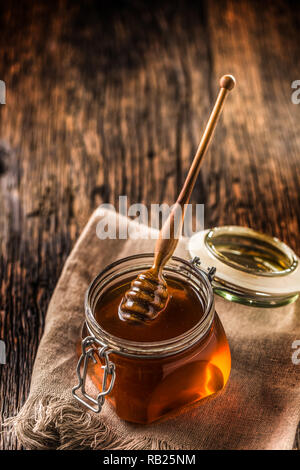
(252, 268)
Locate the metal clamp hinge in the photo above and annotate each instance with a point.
(210, 271)
(89, 352)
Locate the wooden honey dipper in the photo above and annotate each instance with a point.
(148, 293)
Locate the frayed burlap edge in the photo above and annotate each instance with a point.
(51, 423)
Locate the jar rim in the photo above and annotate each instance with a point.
(240, 234)
(157, 348)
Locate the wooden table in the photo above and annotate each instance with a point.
(102, 103)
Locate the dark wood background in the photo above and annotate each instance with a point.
(103, 102)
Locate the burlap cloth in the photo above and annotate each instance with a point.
(258, 409)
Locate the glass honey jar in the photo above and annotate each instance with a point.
(150, 370)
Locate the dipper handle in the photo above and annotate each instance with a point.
(171, 230)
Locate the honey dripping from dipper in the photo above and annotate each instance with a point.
(148, 295)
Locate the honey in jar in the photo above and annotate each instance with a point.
(152, 369)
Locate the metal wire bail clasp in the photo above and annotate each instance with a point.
(210, 271)
(88, 353)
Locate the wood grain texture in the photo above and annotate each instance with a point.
(104, 102)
